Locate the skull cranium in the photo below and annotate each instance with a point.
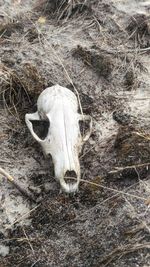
(64, 141)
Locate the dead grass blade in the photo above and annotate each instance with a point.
(110, 189)
(123, 250)
(146, 137)
(117, 169)
(28, 240)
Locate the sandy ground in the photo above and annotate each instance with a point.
(101, 49)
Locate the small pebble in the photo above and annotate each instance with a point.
(39, 199)
(35, 190)
(49, 187)
(4, 250)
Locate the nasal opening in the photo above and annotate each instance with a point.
(70, 177)
(70, 182)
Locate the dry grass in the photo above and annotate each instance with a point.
(122, 251)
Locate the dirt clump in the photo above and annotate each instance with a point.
(139, 29)
(100, 63)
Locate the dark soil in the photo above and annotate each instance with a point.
(101, 49)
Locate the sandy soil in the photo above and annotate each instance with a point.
(101, 49)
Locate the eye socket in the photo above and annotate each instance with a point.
(41, 128)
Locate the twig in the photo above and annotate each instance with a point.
(127, 96)
(35, 262)
(117, 169)
(146, 137)
(22, 190)
(109, 189)
(19, 239)
(130, 50)
(87, 151)
(115, 190)
(28, 240)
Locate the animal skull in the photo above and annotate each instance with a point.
(64, 141)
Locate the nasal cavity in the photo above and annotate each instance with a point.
(41, 128)
(70, 177)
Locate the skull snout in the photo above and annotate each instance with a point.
(67, 170)
(70, 181)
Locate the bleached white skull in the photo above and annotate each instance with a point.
(64, 141)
